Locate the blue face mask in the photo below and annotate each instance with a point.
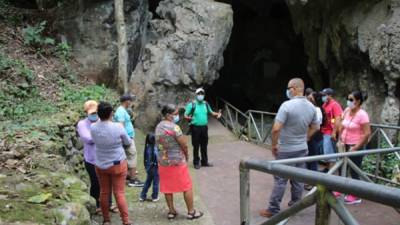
(176, 118)
(350, 104)
(325, 98)
(200, 98)
(288, 94)
(93, 117)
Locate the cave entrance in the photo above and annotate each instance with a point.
(264, 52)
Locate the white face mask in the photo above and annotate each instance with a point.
(200, 97)
(350, 104)
(176, 118)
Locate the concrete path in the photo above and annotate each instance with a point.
(219, 185)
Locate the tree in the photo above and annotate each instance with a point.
(122, 44)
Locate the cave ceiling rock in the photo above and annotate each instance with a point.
(184, 51)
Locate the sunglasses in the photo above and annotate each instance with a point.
(350, 99)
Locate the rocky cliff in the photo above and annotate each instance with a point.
(356, 45)
(184, 50)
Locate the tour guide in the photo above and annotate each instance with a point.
(197, 113)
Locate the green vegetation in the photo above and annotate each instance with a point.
(33, 35)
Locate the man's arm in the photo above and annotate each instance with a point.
(276, 129)
(311, 130)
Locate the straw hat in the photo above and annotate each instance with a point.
(90, 106)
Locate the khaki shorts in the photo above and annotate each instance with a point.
(131, 155)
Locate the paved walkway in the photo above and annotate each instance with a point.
(219, 185)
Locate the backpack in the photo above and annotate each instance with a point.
(189, 132)
(194, 108)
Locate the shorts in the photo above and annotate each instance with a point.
(131, 155)
(329, 146)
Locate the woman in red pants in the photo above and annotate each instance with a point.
(110, 161)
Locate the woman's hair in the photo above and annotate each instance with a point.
(168, 109)
(150, 139)
(360, 96)
(104, 110)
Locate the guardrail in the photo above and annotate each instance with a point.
(325, 183)
(256, 126)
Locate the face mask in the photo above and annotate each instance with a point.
(200, 97)
(325, 98)
(93, 117)
(350, 104)
(288, 94)
(176, 118)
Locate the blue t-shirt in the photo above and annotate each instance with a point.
(122, 116)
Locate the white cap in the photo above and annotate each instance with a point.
(198, 90)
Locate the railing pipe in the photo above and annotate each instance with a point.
(374, 192)
(341, 211)
(244, 196)
(360, 173)
(295, 208)
(334, 156)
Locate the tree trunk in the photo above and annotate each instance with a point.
(122, 44)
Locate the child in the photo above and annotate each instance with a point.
(151, 166)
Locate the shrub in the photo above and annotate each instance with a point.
(33, 35)
(63, 50)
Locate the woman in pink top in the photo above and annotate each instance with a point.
(354, 132)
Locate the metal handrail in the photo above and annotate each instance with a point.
(320, 195)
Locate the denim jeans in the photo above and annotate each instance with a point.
(329, 146)
(152, 177)
(280, 183)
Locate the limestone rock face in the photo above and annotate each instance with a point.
(88, 26)
(184, 50)
(356, 44)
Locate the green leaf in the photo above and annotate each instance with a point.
(39, 199)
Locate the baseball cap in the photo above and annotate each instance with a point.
(127, 97)
(328, 91)
(90, 106)
(199, 90)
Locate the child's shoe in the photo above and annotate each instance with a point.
(351, 200)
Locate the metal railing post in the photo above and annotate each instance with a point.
(323, 210)
(249, 127)
(378, 157)
(244, 195)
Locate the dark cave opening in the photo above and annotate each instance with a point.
(263, 54)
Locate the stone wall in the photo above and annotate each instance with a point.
(88, 26)
(355, 44)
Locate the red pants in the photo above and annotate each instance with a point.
(113, 177)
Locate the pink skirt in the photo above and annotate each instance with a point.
(174, 179)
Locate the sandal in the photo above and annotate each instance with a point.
(194, 215)
(98, 211)
(114, 209)
(171, 215)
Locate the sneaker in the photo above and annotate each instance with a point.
(156, 199)
(135, 183)
(351, 200)
(197, 166)
(141, 199)
(336, 194)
